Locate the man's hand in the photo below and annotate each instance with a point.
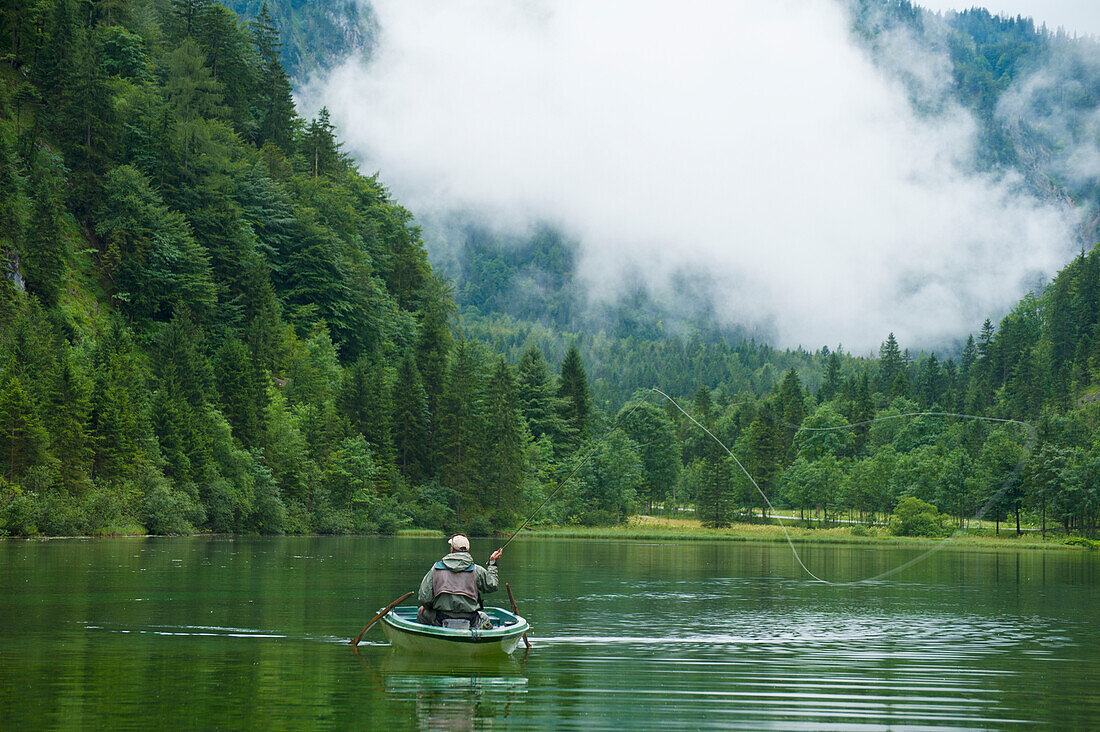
(496, 555)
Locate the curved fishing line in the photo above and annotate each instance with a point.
(1032, 436)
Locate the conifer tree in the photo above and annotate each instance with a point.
(276, 119)
(863, 411)
(411, 420)
(24, 442)
(900, 387)
(366, 399)
(433, 343)
(576, 407)
(462, 430)
(87, 119)
(763, 455)
(792, 409)
(969, 357)
(714, 497)
(830, 385)
(155, 261)
(121, 426)
(67, 418)
(13, 202)
(238, 388)
(227, 48)
(504, 446)
(542, 409)
(188, 17)
(890, 363)
(928, 382)
(194, 96)
(321, 147)
(43, 258)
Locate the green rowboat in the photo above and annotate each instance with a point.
(406, 634)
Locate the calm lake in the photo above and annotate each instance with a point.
(252, 633)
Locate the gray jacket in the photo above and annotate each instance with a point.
(486, 578)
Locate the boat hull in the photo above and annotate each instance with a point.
(408, 636)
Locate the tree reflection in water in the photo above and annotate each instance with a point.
(451, 694)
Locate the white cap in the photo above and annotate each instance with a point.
(460, 543)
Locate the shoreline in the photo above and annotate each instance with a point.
(654, 531)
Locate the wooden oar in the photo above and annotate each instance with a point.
(515, 611)
(378, 617)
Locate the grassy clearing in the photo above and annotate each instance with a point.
(654, 528)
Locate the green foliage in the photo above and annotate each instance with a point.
(575, 400)
(150, 253)
(914, 517)
(504, 464)
(605, 488)
(651, 429)
(226, 327)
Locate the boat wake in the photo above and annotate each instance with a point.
(216, 631)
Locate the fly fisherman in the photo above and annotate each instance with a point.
(451, 590)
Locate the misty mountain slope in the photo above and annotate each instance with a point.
(1035, 94)
(316, 34)
(1011, 106)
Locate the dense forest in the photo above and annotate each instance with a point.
(210, 320)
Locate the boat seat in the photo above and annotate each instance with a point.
(456, 624)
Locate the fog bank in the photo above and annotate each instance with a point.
(750, 141)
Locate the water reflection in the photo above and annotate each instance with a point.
(449, 694)
(218, 634)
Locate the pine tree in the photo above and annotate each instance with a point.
(762, 457)
(24, 442)
(573, 390)
(900, 387)
(462, 430)
(194, 96)
(44, 253)
(121, 427)
(154, 260)
(411, 421)
(542, 409)
(13, 202)
(67, 419)
(321, 147)
(928, 382)
(188, 17)
(792, 410)
(433, 344)
(276, 119)
(505, 445)
(830, 385)
(890, 363)
(969, 358)
(366, 399)
(714, 497)
(863, 412)
(87, 118)
(239, 389)
(227, 48)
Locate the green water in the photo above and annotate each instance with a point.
(251, 633)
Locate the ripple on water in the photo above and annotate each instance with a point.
(804, 670)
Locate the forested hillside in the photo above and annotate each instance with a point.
(210, 320)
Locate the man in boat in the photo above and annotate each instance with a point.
(451, 590)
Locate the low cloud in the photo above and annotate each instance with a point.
(752, 143)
